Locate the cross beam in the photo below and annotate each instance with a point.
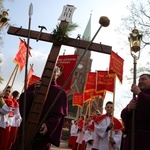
(68, 42)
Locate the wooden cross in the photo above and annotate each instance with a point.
(41, 95)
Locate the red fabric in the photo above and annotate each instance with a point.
(82, 146)
(29, 75)
(77, 100)
(117, 124)
(91, 127)
(90, 83)
(12, 138)
(5, 138)
(72, 141)
(20, 57)
(80, 124)
(116, 65)
(9, 102)
(79, 146)
(2, 131)
(66, 63)
(105, 81)
(33, 80)
(15, 103)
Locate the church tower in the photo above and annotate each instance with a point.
(80, 74)
(84, 67)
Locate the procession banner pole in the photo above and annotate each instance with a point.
(16, 68)
(110, 145)
(25, 84)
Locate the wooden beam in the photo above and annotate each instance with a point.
(68, 42)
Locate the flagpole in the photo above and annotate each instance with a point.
(110, 146)
(25, 84)
(14, 76)
(16, 68)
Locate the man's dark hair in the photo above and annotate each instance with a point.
(145, 74)
(15, 94)
(109, 102)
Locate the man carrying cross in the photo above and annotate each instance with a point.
(51, 130)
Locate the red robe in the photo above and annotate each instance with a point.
(5, 133)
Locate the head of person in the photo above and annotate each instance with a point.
(95, 113)
(81, 117)
(15, 94)
(109, 107)
(56, 73)
(144, 82)
(7, 92)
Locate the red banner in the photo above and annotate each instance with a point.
(20, 57)
(66, 63)
(90, 83)
(116, 65)
(33, 80)
(29, 75)
(105, 81)
(100, 94)
(77, 100)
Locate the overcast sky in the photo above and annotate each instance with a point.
(46, 13)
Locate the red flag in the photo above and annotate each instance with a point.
(88, 95)
(90, 83)
(116, 65)
(90, 86)
(66, 63)
(77, 100)
(101, 85)
(29, 75)
(101, 94)
(33, 80)
(105, 81)
(20, 57)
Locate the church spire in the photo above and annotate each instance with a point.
(87, 32)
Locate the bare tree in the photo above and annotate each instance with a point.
(138, 17)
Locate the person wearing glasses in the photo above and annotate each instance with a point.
(141, 105)
(108, 130)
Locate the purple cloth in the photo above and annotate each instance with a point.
(54, 120)
(142, 123)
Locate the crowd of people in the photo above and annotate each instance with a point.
(10, 118)
(95, 132)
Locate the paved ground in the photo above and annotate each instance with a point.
(63, 146)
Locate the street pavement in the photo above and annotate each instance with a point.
(63, 146)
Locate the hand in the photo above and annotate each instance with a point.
(43, 129)
(38, 84)
(132, 105)
(2, 101)
(135, 89)
(111, 125)
(111, 140)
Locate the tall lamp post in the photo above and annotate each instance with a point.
(135, 42)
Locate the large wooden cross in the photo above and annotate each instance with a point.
(41, 95)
